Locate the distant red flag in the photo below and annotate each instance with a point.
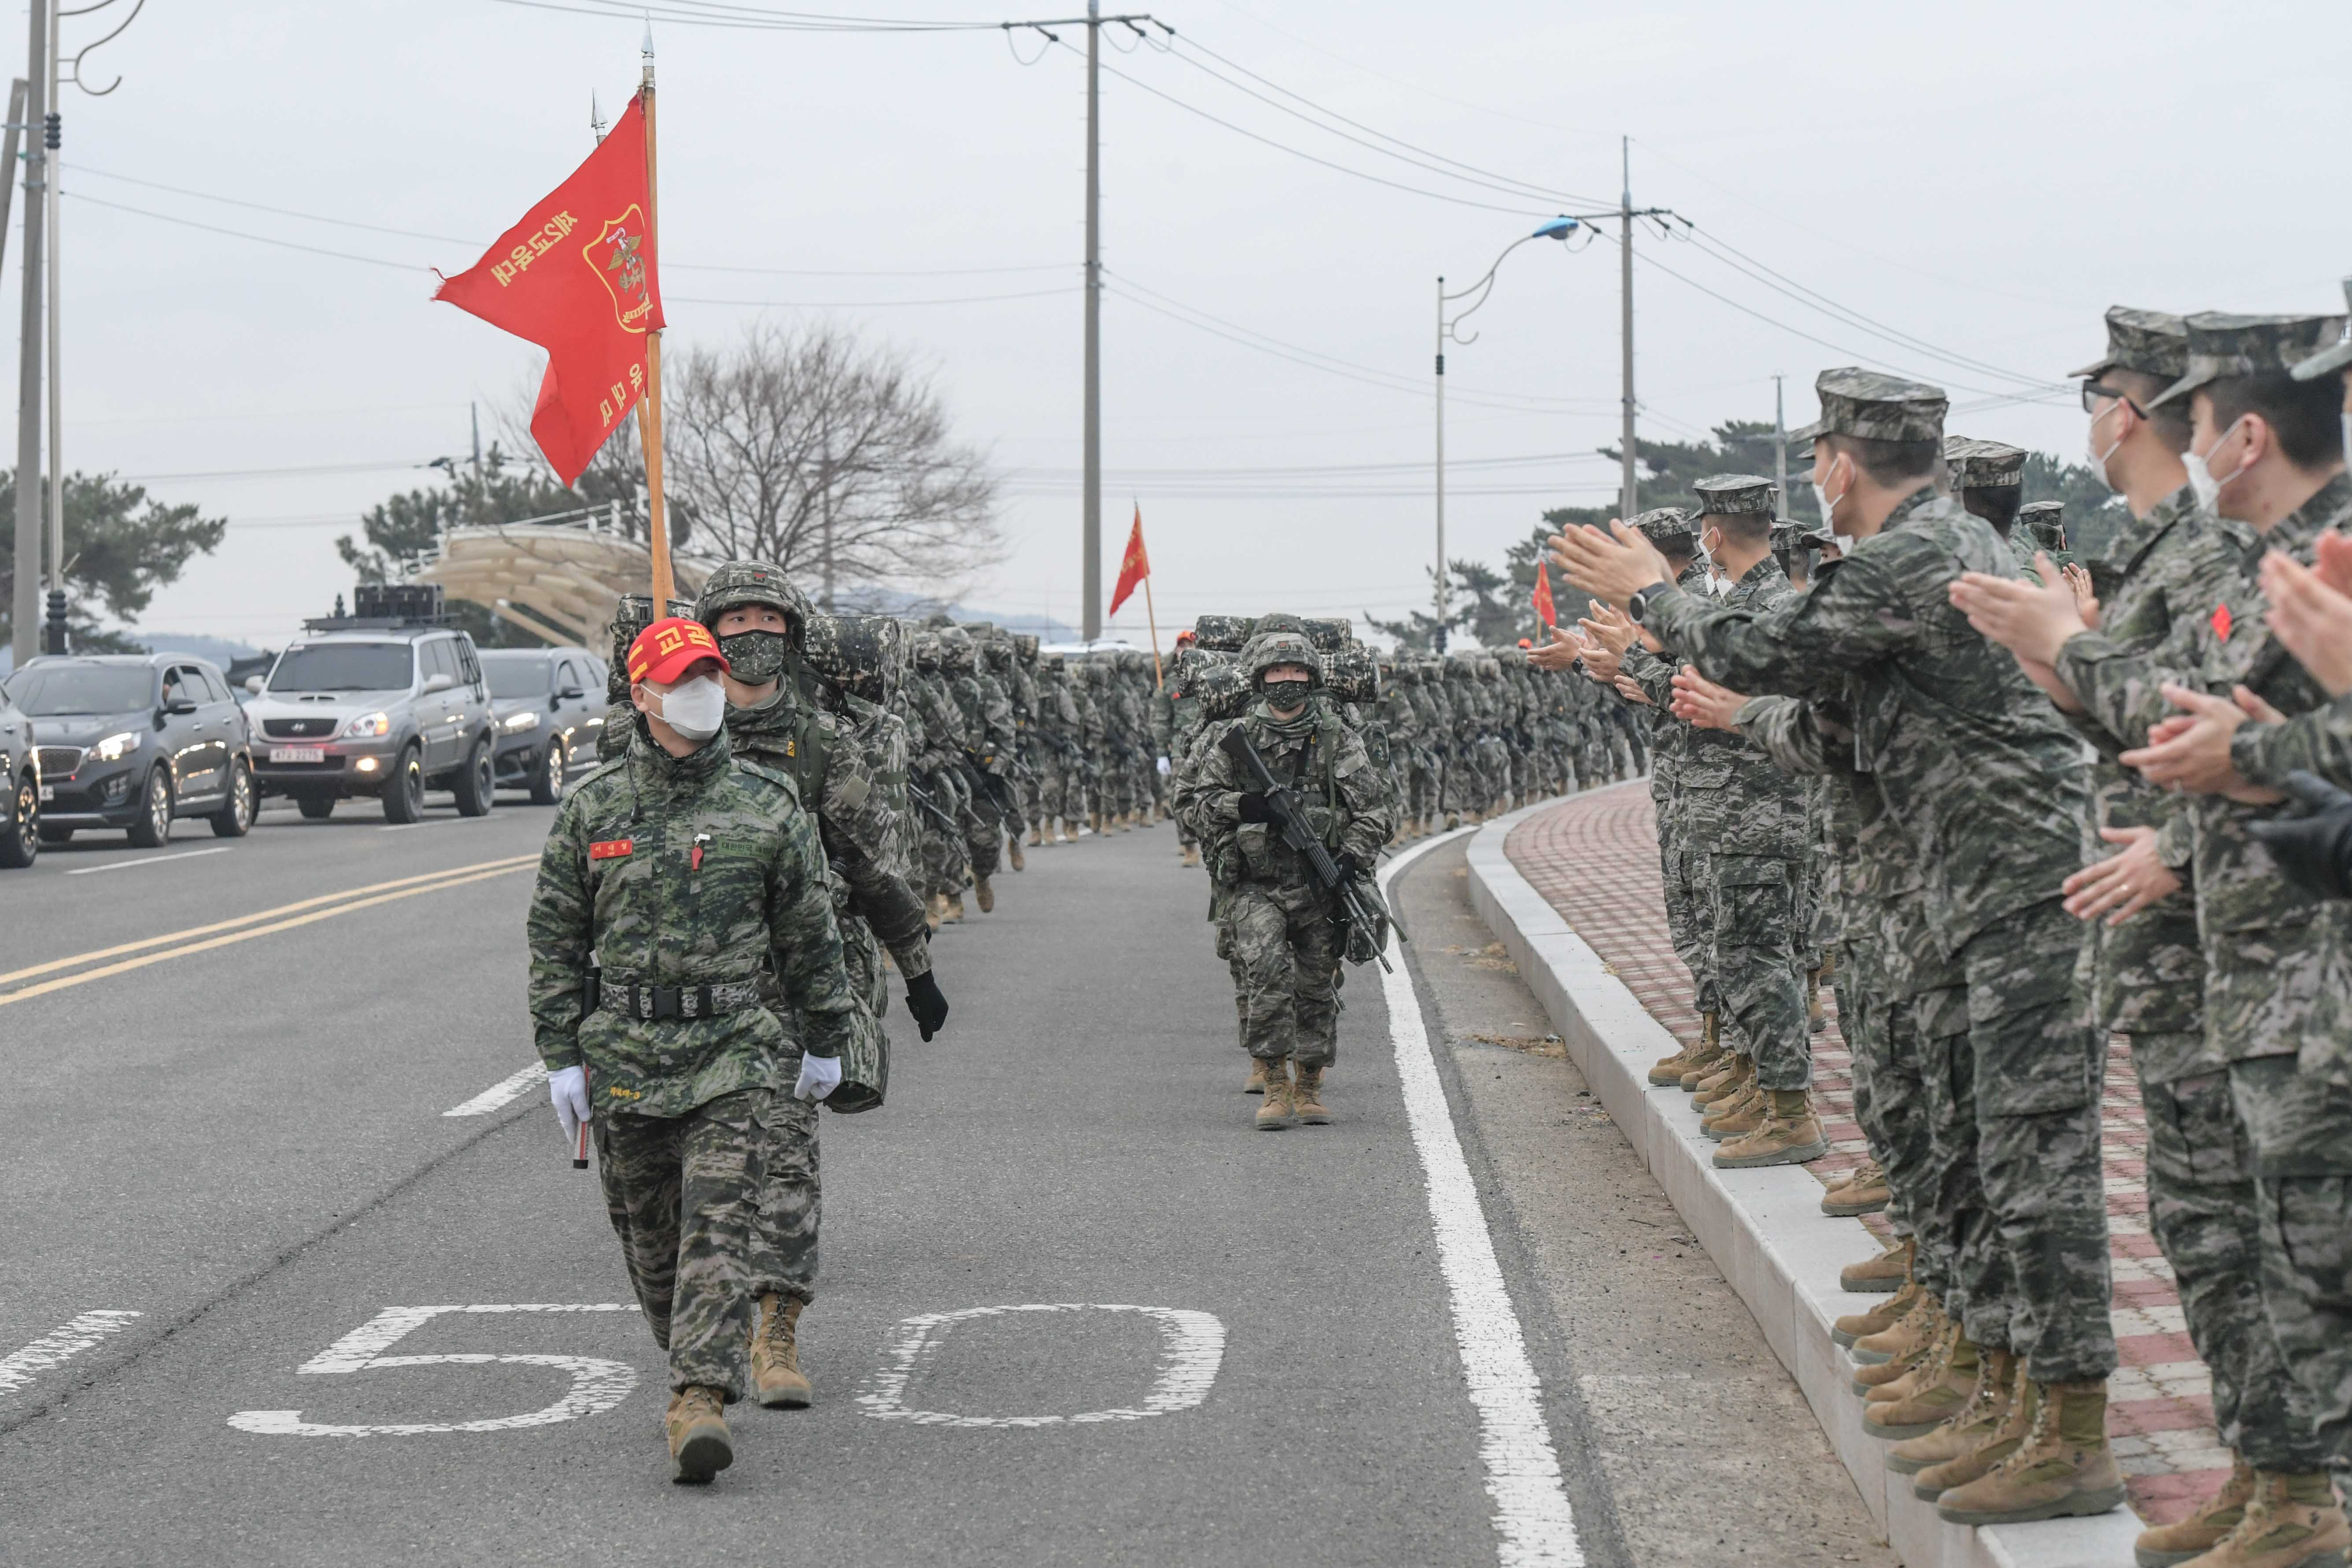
(1543, 596)
(1134, 566)
(577, 276)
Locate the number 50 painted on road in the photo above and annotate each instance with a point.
(596, 1385)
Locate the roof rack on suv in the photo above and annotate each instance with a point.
(371, 622)
(384, 607)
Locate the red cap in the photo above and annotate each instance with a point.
(664, 650)
(1525, 643)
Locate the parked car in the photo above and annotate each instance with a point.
(549, 704)
(379, 706)
(20, 772)
(134, 740)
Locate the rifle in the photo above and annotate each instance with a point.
(922, 799)
(1290, 816)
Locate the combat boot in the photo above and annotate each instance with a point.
(2063, 1468)
(1307, 1097)
(1890, 1381)
(1256, 1082)
(2023, 1401)
(1791, 1135)
(1974, 1428)
(699, 1446)
(1878, 1319)
(1863, 1191)
(1943, 1388)
(1880, 1346)
(985, 894)
(2165, 1545)
(1724, 1082)
(1094, 822)
(1126, 822)
(1036, 834)
(1190, 857)
(2291, 1521)
(1278, 1110)
(1738, 1117)
(1063, 830)
(1879, 1275)
(1698, 1056)
(1814, 1022)
(953, 914)
(1013, 852)
(776, 1379)
(935, 910)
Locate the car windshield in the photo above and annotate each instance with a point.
(516, 677)
(342, 667)
(48, 690)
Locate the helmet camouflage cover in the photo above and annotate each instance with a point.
(1269, 649)
(739, 583)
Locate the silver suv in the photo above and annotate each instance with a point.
(376, 708)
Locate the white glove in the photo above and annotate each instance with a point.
(567, 1090)
(819, 1076)
(1164, 767)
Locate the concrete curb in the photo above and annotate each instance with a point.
(1764, 1228)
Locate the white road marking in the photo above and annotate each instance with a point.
(58, 1346)
(1192, 1347)
(431, 822)
(1533, 1518)
(503, 1092)
(597, 1385)
(146, 861)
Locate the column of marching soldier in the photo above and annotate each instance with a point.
(2013, 803)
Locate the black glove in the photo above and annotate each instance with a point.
(925, 1003)
(1255, 809)
(2313, 851)
(1349, 869)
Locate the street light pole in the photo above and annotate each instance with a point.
(1437, 584)
(25, 605)
(1091, 617)
(55, 640)
(1779, 448)
(1630, 497)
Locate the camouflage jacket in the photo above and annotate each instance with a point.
(2271, 949)
(683, 871)
(988, 720)
(1736, 800)
(1346, 796)
(1972, 760)
(1654, 674)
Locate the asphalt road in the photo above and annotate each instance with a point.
(1073, 1308)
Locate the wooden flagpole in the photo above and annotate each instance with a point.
(649, 419)
(1151, 618)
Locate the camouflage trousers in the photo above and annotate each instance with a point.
(2202, 1208)
(1890, 1101)
(791, 1201)
(2299, 1128)
(684, 1195)
(984, 835)
(1758, 974)
(1690, 921)
(1287, 952)
(1425, 784)
(2037, 1064)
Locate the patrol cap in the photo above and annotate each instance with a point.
(662, 652)
(1984, 465)
(1667, 527)
(1733, 495)
(2046, 519)
(2222, 345)
(2336, 355)
(1873, 406)
(2150, 342)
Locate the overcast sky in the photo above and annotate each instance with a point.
(1981, 182)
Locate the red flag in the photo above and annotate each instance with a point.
(577, 276)
(1134, 566)
(1543, 596)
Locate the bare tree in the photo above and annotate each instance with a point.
(830, 457)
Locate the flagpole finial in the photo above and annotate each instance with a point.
(647, 48)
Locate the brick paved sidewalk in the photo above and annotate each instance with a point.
(1595, 859)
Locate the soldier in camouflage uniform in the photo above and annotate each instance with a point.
(1988, 784)
(1987, 479)
(937, 768)
(986, 732)
(2273, 951)
(1279, 922)
(1061, 778)
(688, 872)
(782, 715)
(1183, 718)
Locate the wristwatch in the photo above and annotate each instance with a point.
(1638, 607)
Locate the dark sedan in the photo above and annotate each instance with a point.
(132, 741)
(548, 705)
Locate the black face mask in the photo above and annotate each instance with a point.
(756, 657)
(1284, 695)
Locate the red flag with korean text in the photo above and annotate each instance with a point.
(1543, 596)
(1134, 566)
(577, 276)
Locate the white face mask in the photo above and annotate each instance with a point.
(695, 708)
(2201, 474)
(2092, 450)
(1828, 511)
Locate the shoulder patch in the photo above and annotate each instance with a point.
(608, 766)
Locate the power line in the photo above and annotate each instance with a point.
(240, 234)
(871, 304)
(746, 17)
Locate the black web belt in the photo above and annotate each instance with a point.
(655, 1002)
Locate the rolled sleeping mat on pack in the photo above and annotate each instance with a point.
(1329, 636)
(1024, 647)
(860, 653)
(1221, 634)
(1224, 691)
(1352, 674)
(632, 615)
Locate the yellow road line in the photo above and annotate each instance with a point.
(66, 981)
(78, 959)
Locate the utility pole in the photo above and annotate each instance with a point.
(1780, 450)
(1091, 613)
(51, 128)
(25, 604)
(1629, 498)
(1437, 631)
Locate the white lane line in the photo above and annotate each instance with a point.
(58, 1346)
(147, 860)
(503, 1092)
(1192, 1347)
(1533, 1518)
(433, 822)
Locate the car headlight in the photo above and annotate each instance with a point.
(367, 725)
(114, 748)
(517, 722)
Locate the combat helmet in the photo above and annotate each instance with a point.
(958, 654)
(753, 582)
(1267, 650)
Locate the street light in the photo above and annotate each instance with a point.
(1561, 228)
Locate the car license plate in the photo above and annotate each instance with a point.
(297, 755)
(49, 793)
